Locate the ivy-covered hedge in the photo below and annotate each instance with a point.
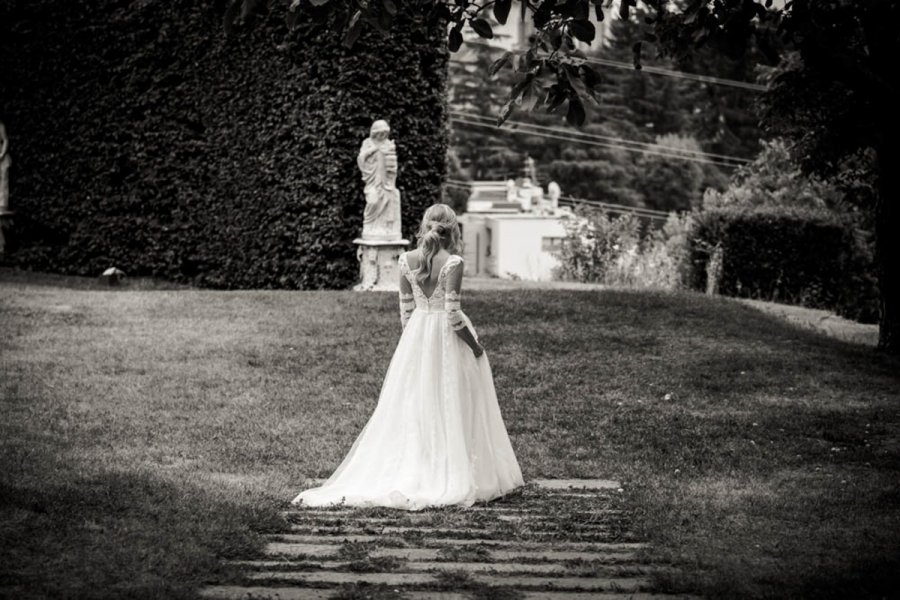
(795, 256)
(144, 137)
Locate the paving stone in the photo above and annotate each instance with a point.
(499, 530)
(423, 566)
(539, 520)
(319, 551)
(560, 595)
(426, 542)
(548, 568)
(620, 584)
(490, 567)
(616, 584)
(511, 554)
(236, 592)
(607, 515)
(233, 592)
(508, 555)
(577, 484)
(331, 577)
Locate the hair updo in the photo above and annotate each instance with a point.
(439, 229)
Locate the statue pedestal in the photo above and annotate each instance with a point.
(378, 264)
(6, 217)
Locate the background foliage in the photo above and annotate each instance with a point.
(792, 255)
(623, 251)
(668, 112)
(146, 138)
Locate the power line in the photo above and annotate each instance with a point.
(599, 137)
(745, 85)
(569, 138)
(608, 206)
(620, 208)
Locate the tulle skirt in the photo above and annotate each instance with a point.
(436, 437)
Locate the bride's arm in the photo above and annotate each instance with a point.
(452, 305)
(407, 300)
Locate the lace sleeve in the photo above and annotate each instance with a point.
(407, 300)
(452, 297)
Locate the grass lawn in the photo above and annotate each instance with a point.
(147, 435)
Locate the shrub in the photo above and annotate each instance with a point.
(800, 256)
(773, 179)
(603, 249)
(144, 137)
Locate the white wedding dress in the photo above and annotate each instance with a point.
(436, 437)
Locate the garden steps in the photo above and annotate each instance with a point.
(552, 540)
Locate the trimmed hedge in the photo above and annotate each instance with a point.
(144, 137)
(800, 257)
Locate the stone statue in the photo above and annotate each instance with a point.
(377, 161)
(530, 169)
(511, 192)
(554, 192)
(5, 162)
(526, 194)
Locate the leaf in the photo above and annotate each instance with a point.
(583, 30)
(354, 29)
(439, 12)
(556, 38)
(501, 10)
(575, 82)
(389, 6)
(555, 97)
(231, 14)
(454, 39)
(505, 112)
(318, 2)
(501, 62)
(384, 22)
(575, 116)
(518, 90)
(581, 10)
(291, 19)
(543, 14)
(248, 7)
(482, 28)
(526, 61)
(592, 81)
(533, 95)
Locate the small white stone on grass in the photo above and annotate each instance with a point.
(112, 275)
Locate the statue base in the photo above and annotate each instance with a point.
(6, 218)
(378, 264)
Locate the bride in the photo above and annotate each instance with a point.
(436, 437)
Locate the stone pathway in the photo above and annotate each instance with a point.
(552, 540)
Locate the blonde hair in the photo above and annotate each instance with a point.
(439, 229)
